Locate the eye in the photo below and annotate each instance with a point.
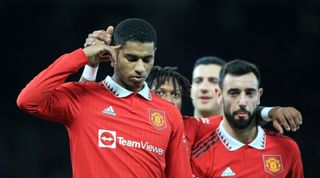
(251, 93)
(159, 93)
(233, 93)
(147, 59)
(176, 94)
(131, 58)
(214, 80)
(197, 80)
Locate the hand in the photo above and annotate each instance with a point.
(95, 52)
(287, 117)
(100, 37)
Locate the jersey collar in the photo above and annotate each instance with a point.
(121, 92)
(232, 144)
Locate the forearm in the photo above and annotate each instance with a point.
(177, 158)
(262, 115)
(89, 73)
(35, 93)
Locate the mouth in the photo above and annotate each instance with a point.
(204, 99)
(137, 79)
(241, 115)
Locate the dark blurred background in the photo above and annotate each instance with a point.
(280, 36)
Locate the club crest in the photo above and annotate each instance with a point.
(273, 164)
(157, 119)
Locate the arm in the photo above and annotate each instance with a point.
(191, 128)
(177, 159)
(45, 96)
(199, 166)
(89, 73)
(287, 117)
(296, 170)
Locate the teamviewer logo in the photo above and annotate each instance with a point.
(107, 138)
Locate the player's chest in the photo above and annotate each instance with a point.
(127, 123)
(249, 162)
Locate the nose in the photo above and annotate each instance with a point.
(168, 97)
(243, 100)
(204, 86)
(139, 67)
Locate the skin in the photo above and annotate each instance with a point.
(167, 92)
(133, 64)
(240, 97)
(98, 37)
(204, 82)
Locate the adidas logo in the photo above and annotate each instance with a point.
(109, 111)
(228, 172)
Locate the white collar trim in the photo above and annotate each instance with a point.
(232, 144)
(121, 92)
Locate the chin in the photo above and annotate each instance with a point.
(206, 107)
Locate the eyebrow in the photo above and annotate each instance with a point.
(246, 90)
(233, 89)
(137, 56)
(250, 89)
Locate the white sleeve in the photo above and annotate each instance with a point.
(265, 114)
(90, 73)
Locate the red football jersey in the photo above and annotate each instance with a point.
(197, 128)
(113, 132)
(269, 155)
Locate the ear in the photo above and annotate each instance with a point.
(218, 93)
(112, 63)
(260, 94)
(113, 59)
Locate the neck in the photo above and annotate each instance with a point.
(126, 86)
(245, 136)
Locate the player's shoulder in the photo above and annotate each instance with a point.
(162, 102)
(205, 145)
(84, 84)
(275, 135)
(81, 85)
(156, 98)
(213, 120)
(280, 138)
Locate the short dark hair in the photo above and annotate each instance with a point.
(238, 67)
(159, 75)
(206, 60)
(134, 29)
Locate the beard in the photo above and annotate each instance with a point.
(240, 123)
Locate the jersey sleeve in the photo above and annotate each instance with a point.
(47, 96)
(296, 170)
(198, 165)
(191, 127)
(207, 126)
(177, 159)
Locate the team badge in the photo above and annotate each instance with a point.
(273, 164)
(157, 119)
